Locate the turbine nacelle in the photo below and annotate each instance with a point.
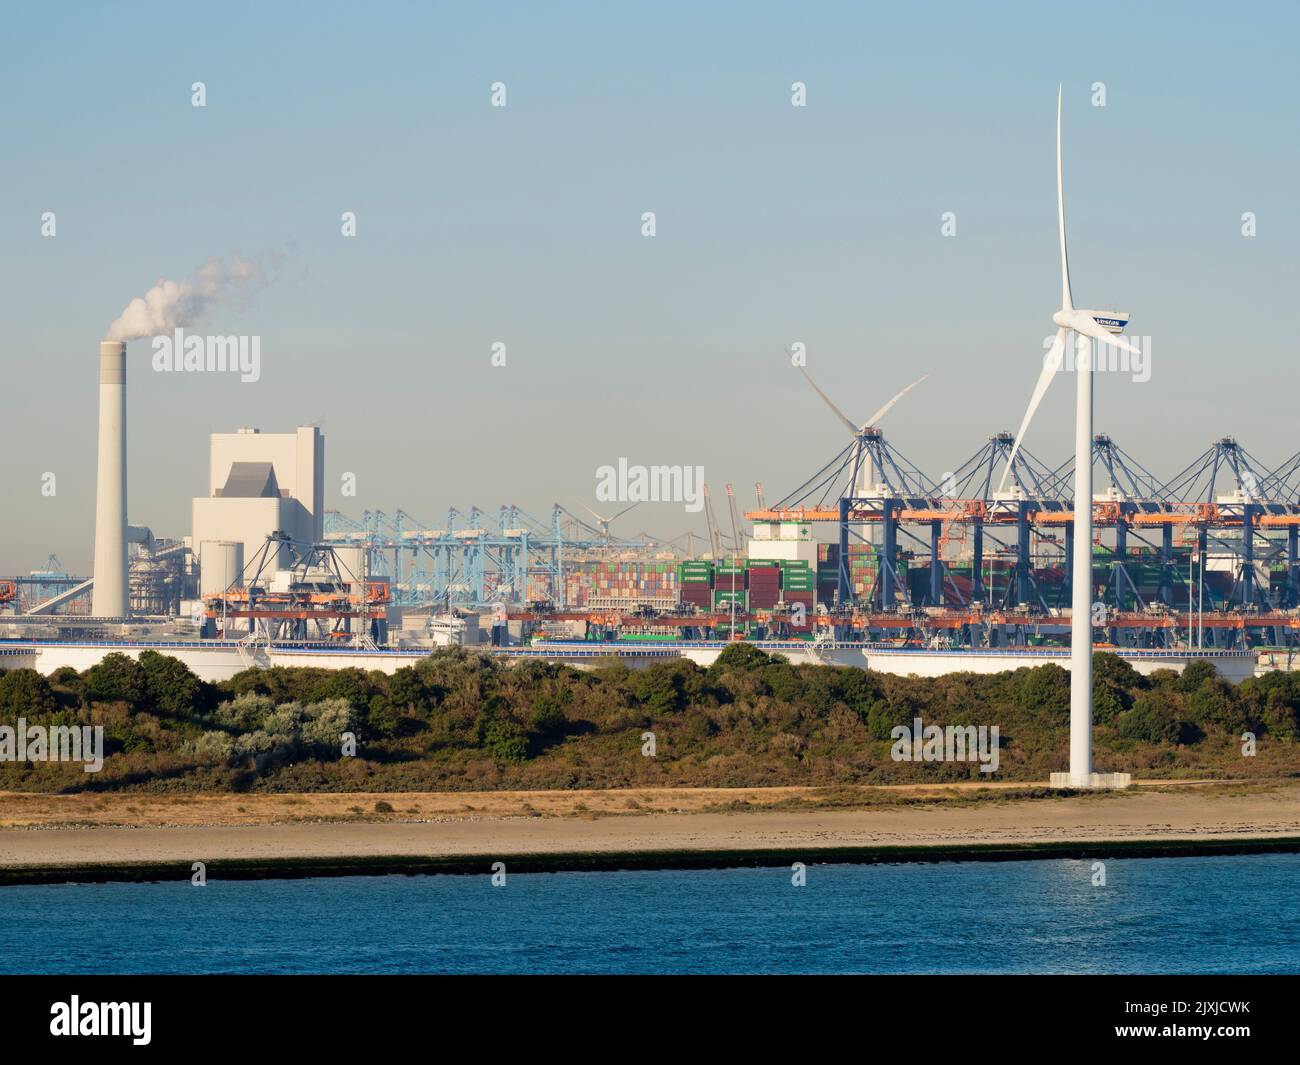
(867, 428)
(1104, 326)
(1111, 321)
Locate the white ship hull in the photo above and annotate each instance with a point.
(217, 660)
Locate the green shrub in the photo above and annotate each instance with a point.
(216, 747)
(323, 724)
(171, 689)
(244, 713)
(505, 740)
(25, 693)
(116, 678)
(547, 714)
(1152, 720)
(1195, 674)
(741, 657)
(1046, 689)
(1110, 667)
(1109, 702)
(1214, 705)
(661, 688)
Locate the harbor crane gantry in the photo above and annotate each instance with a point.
(1225, 513)
(474, 559)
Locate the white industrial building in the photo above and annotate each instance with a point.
(785, 541)
(260, 483)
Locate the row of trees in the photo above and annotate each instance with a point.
(462, 719)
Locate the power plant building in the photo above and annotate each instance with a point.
(260, 483)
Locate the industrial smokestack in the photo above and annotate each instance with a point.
(110, 591)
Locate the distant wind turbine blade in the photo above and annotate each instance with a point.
(593, 513)
(1051, 365)
(624, 511)
(853, 429)
(1083, 322)
(1066, 302)
(886, 408)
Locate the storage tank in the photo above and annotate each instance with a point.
(221, 564)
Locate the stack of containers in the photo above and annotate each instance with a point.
(577, 583)
(695, 583)
(864, 564)
(828, 572)
(635, 580)
(797, 576)
(729, 586)
(605, 583)
(764, 585)
(798, 588)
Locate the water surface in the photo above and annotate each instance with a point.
(1158, 915)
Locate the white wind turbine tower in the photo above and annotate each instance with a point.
(1094, 326)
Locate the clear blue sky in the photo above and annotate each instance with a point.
(522, 225)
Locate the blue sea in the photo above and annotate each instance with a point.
(1152, 915)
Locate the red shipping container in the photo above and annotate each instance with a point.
(806, 599)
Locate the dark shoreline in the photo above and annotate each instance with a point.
(406, 865)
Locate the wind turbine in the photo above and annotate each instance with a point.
(604, 522)
(1094, 326)
(864, 473)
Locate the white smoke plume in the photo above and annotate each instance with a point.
(172, 304)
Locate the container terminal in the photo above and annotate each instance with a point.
(869, 558)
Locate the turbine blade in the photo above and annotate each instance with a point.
(592, 512)
(1084, 323)
(1066, 303)
(885, 409)
(853, 429)
(1051, 364)
(624, 511)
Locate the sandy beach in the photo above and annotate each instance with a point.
(105, 837)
